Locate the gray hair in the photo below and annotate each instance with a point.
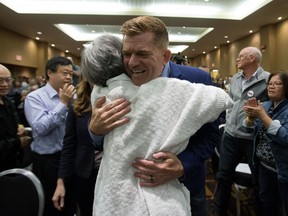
(102, 59)
(255, 52)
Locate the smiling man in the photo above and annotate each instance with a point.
(146, 56)
(46, 110)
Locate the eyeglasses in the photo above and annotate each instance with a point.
(8, 80)
(274, 84)
(66, 73)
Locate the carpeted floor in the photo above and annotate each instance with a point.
(246, 196)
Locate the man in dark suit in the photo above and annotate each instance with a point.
(146, 56)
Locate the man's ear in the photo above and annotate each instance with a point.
(253, 58)
(167, 56)
(49, 72)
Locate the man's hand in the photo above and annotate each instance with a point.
(165, 167)
(111, 115)
(66, 93)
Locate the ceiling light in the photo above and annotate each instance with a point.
(228, 41)
(177, 48)
(40, 33)
(215, 47)
(279, 18)
(83, 32)
(53, 45)
(204, 52)
(251, 31)
(37, 38)
(191, 9)
(225, 36)
(67, 51)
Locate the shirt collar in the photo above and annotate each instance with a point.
(51, 91)
(166, 70)
(255, 75)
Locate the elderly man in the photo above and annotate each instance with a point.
(237, 142)
(12, 136)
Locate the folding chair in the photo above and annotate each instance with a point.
(21, 193)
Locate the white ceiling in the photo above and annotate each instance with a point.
(191, 23)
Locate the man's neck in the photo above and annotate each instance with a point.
(248, 72)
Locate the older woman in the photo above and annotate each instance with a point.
(271, 143)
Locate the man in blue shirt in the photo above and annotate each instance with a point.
(46, 110)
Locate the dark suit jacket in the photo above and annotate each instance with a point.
(77, 156)
(9, 141)
(201, 145)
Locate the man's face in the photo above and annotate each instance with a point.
(63, 75)
(5, 82)
(143, 60)
(244, 59)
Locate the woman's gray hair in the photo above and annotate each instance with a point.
(102, 59)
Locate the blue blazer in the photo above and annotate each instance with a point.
(201, 145)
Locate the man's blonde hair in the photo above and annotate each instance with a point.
(143, 24)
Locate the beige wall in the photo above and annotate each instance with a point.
(281, 46)
(275, 55)
(25, 56)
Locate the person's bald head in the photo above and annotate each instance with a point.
(5, 81)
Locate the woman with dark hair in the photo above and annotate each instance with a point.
(270, 123)
(79, 162)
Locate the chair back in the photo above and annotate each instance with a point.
(221, 131)
(21, 193)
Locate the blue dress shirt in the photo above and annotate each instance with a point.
(46, 115)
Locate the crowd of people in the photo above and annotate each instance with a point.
(135, 139)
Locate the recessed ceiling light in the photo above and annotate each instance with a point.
(67, 51)
(37, 38)
(184, 27)
(76, 32)
(177, 48)
(215, 47)
(251, 31)
(228, 41)
(204, 52)
(279, 18)
(39, 33)
(53, 45)
(78, 48)
(225, 36)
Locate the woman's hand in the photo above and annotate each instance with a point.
(106, 117)
(59, 195)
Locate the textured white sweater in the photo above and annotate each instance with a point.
(165, 113)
